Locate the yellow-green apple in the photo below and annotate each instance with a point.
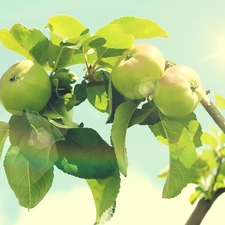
(137, 71)
(178, 91)
(25, 85)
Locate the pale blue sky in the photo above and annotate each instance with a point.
(197, 39)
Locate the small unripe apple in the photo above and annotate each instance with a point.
(178, 91)
(137, 71)
(25, 85)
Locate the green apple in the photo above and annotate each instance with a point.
(178, 91)
(137, 71)
(25, 85)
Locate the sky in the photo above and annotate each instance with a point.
(197, 39)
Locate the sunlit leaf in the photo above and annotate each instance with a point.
(4, 132)
(207, 162)
(30, 43)
(159, 132)
(220, 101)
(209, 139)
(140, 28)
(105, 192)
(163, 173)
(115, 37)
(121, 122)
(194, 196)
(29, 184)
(183, 158)
(95, 41)
(64, 27)
(190, 122)
(219, 135)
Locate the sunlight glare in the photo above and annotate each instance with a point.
(218, 48)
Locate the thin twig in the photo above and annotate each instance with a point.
(213, 112)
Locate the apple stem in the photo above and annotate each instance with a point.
(213, 112)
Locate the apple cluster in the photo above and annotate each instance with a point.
(141, 72)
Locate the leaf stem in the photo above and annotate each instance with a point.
(202, 208)
(213, 112)
(57, 61)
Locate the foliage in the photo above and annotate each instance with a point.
(48, 140)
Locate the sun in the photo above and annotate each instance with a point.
(219, 48)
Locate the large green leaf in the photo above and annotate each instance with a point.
(66, 33)
(85, 154)
(34, 136)
(190, 122)
(105, 192)
(140, 28)
(65, 28)
(120, 125)
(30, 43)
(29, 184)
(4, 132)
(183, 158)
(115, 37)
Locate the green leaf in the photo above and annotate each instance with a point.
(58, 115)
(220, 101)
(64, 28)
(94, 41)
(153, 116)
(190, 122)
(29, 184)
(85, 154)
(219, 135)
(139, 116)
(159, 132)
(195, 196)
(140, 28)
(120, 125)
(115, 37)
(98, 97)
(105, 192)
(30, 43)
(209, 140)
(60, 55)
(115, 99)
(207, 162)
(34, 136)
(4, 132)
(163, 173)
(67, 34)
(183, 158)
(79, 95)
